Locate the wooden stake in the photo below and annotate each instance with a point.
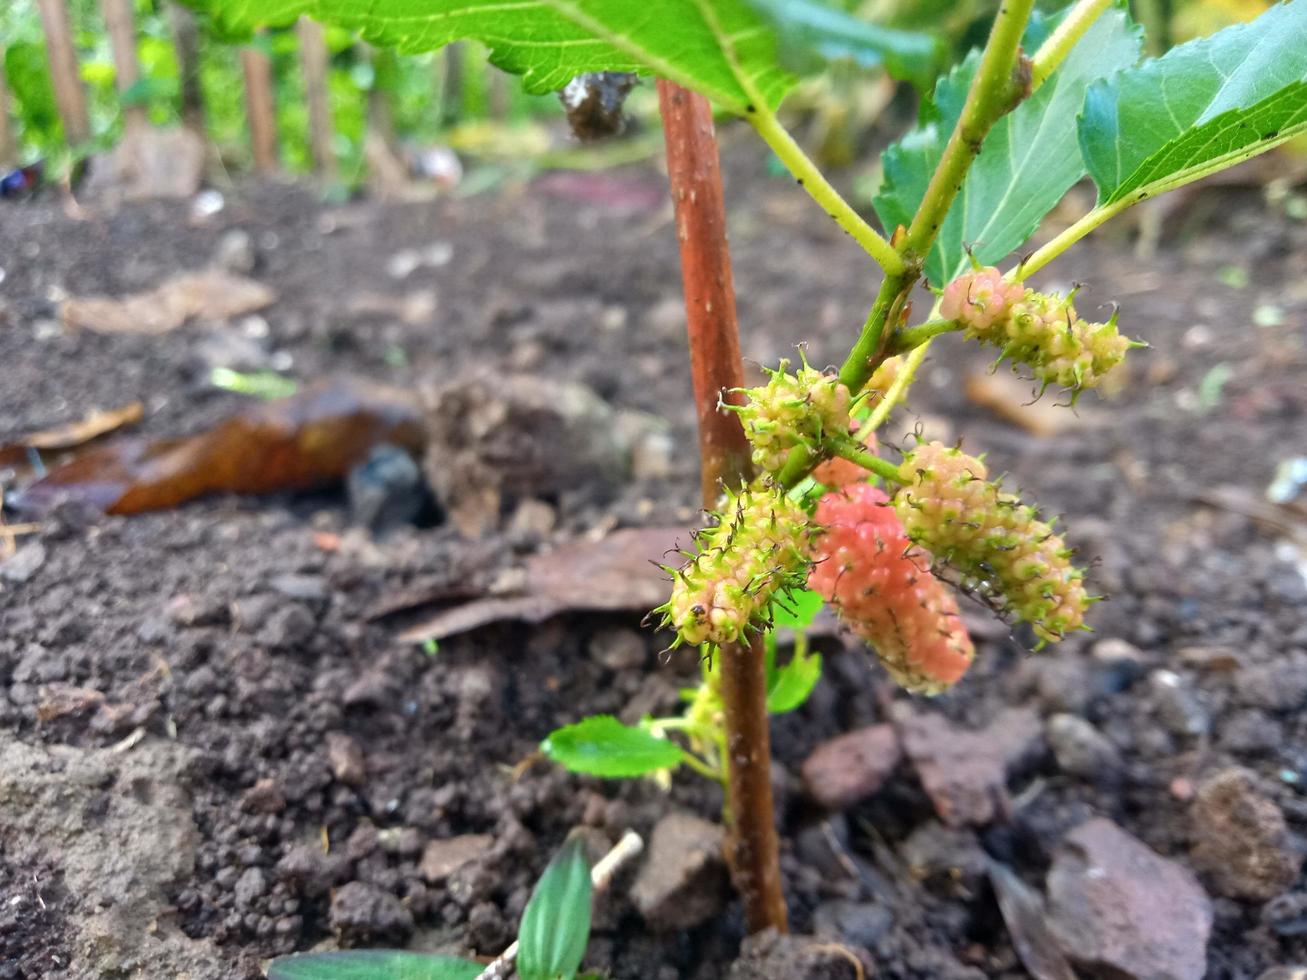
(121, 25)
(314, 64)
(449, 78)
(695, 174)
(260, 108)
(64, 72)
(186, 41)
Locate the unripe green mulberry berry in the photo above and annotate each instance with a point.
(759, 545)
(883, 589)
(1000, 545)
(1040, 330)
(793, 410)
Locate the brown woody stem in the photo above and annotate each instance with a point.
(695, 175)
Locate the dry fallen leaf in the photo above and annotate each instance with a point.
(313, 437)
(212, 294)
(1013, 400)
(96, 423)
(613, 573)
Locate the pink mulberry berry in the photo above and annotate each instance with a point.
(882, 586)
(980, 299)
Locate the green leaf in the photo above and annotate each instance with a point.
(556, 924)
(722, 48)
(790, 686)
(1028, 161)
(602, 746)
(373, 964)
(810, 25)
(1203, 106)
(796, 609)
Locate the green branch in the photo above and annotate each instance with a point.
(997, 89)
(868, 352)
(908, 338)
(819, 188)
(1068, 237)
(857, 452)
(1059, 44)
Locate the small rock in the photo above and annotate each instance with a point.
(532, 522)
(249, 887)
(235, 252)
(1114, 649)
(1287, 914)
(1277, 686)
(312, 871)
(290, 626)
(1063, 684)
(443, 857)
(404, 841)
(23, 563)
(346, 759)
(770, 955)
(361, 912)
(1118, 909)
(1285, 973)
(618, 649)
(386, 490)
(1213, 659)
(1176, 705)
(372, 689)
(965, 772)
(851, 767)
(861, 923)
(265, 796)
(682, 882)
(1241, 843)
(1080, 748)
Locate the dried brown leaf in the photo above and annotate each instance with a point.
(212, 294)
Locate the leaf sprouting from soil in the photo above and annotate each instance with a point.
(373, 964)
(614, 573)
(602, 746)
(211, 295)
(306, 440)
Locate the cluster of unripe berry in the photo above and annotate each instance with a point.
(791, 410)
(1040, 330)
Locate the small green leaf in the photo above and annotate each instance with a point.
(373, 964)
(602, 746)
(556, 924)
(722, 48)
(797, 609)
(1203, 106)
(1028, 161)
(791, 685)
(833, 34)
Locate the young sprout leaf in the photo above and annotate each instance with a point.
(556, 924)
(373, 964)
(723, 49)
(796, 609)
(789, 686)
(1029, 160)
(602, 746)
(820, 28)
(1203, 106)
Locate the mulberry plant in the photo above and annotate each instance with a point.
(1050, 101)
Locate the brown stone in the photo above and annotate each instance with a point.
(1241, 843)
(441, 858)
(852, 767)
(1118, 909)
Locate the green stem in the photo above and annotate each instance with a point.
(1068, 237)
(996, 90)
(819, 188)
(1059, 44)
(867, 353)
(909, 338)
(856, 452)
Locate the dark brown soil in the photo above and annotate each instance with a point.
(226, 626)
